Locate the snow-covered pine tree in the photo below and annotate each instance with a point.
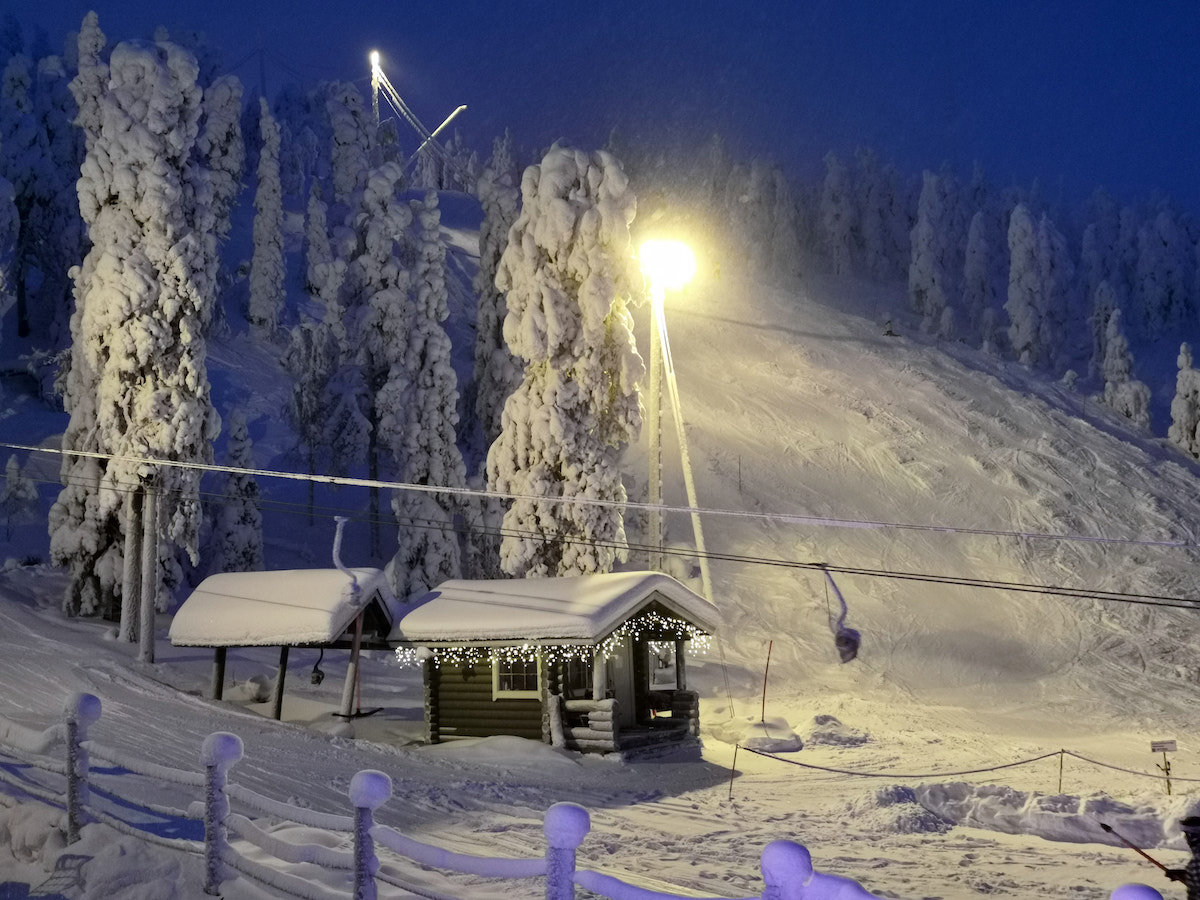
(9, 228)
(18, 497)
(23, 159)
(350, 130)
(1163, 294)
(266, 263)
(980, 289)
(324, 273)
(138, 385)
(1098, 247)
(1057, 274)
(839, 221)
(502, 162)
(237, 531)
(55, 225)
(567, 273)
(874, 204)
(311, 358)
(1024, 303)
(419, 422)
(1185, 407)
(1104, 303)
(376, 291)
(785, 234)
(937, 258)
(1122, 392)
(221, 145)
(497, 371)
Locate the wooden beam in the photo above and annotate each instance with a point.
(218, 677)
(279, 679)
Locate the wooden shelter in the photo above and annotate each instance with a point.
(591, 662)
(347, 609)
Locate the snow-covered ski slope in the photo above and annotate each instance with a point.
(955, 465)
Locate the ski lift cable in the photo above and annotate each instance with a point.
(428, 138)
(784, 518)
(1155, 600)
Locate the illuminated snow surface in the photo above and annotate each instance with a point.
(796, 404)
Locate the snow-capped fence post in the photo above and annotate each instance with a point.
(218, 753)
(565, 827)
(369, 789)
(81, 711)
(784, 863)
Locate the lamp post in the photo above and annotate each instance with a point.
(669, 265)
(375, 72)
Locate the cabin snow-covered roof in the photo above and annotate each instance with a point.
(574, 607)
(297, 606)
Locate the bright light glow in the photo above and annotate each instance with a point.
(670, 264)
(374, 59)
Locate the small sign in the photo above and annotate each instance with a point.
(1162, 746)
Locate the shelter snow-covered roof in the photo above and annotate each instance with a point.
(573, 607)
(290, 607)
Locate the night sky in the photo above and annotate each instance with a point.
(1077, 94)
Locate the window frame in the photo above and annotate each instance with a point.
(498, 694)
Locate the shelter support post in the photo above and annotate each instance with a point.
(218, 676)
(599, 675)
(348, 690)
(680, 665)
(280, 676)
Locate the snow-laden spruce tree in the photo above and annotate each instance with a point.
(221, 144)
(324, 272)
(1122, 392)
(56, 230)
(497, 371)
(567, 274)
(1185, 407)
(237, 524)
(376, 293)
(785, 232)
(876, 200)
(23, 163)
(839, 218)
(138, 384)
(420, 403)
(936, 267)
(981, 291)
(350, 132)
(1024, 304)
(1104, 303)
(266, 263)
(312, 359)
(1163, 293)
(1057, 295)
(9, 228)
(18, 497)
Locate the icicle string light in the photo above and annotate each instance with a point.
(698, 644)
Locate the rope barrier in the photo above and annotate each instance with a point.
(995, 768)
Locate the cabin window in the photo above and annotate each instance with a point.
(514, 679)
(661, 668)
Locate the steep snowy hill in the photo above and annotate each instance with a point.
(943, 462)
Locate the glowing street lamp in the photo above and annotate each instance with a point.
(376, 71)
(669, 265)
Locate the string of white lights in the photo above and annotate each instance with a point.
(716, 512)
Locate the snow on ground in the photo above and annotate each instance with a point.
(794, 408)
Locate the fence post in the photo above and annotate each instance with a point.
(786, 866)
(369, 789)
(565, 827)
(219, 751)
(80, 712)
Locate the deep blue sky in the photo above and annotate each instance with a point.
(1076, 93)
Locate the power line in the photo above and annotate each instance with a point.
(301, 509)
(787, 518)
